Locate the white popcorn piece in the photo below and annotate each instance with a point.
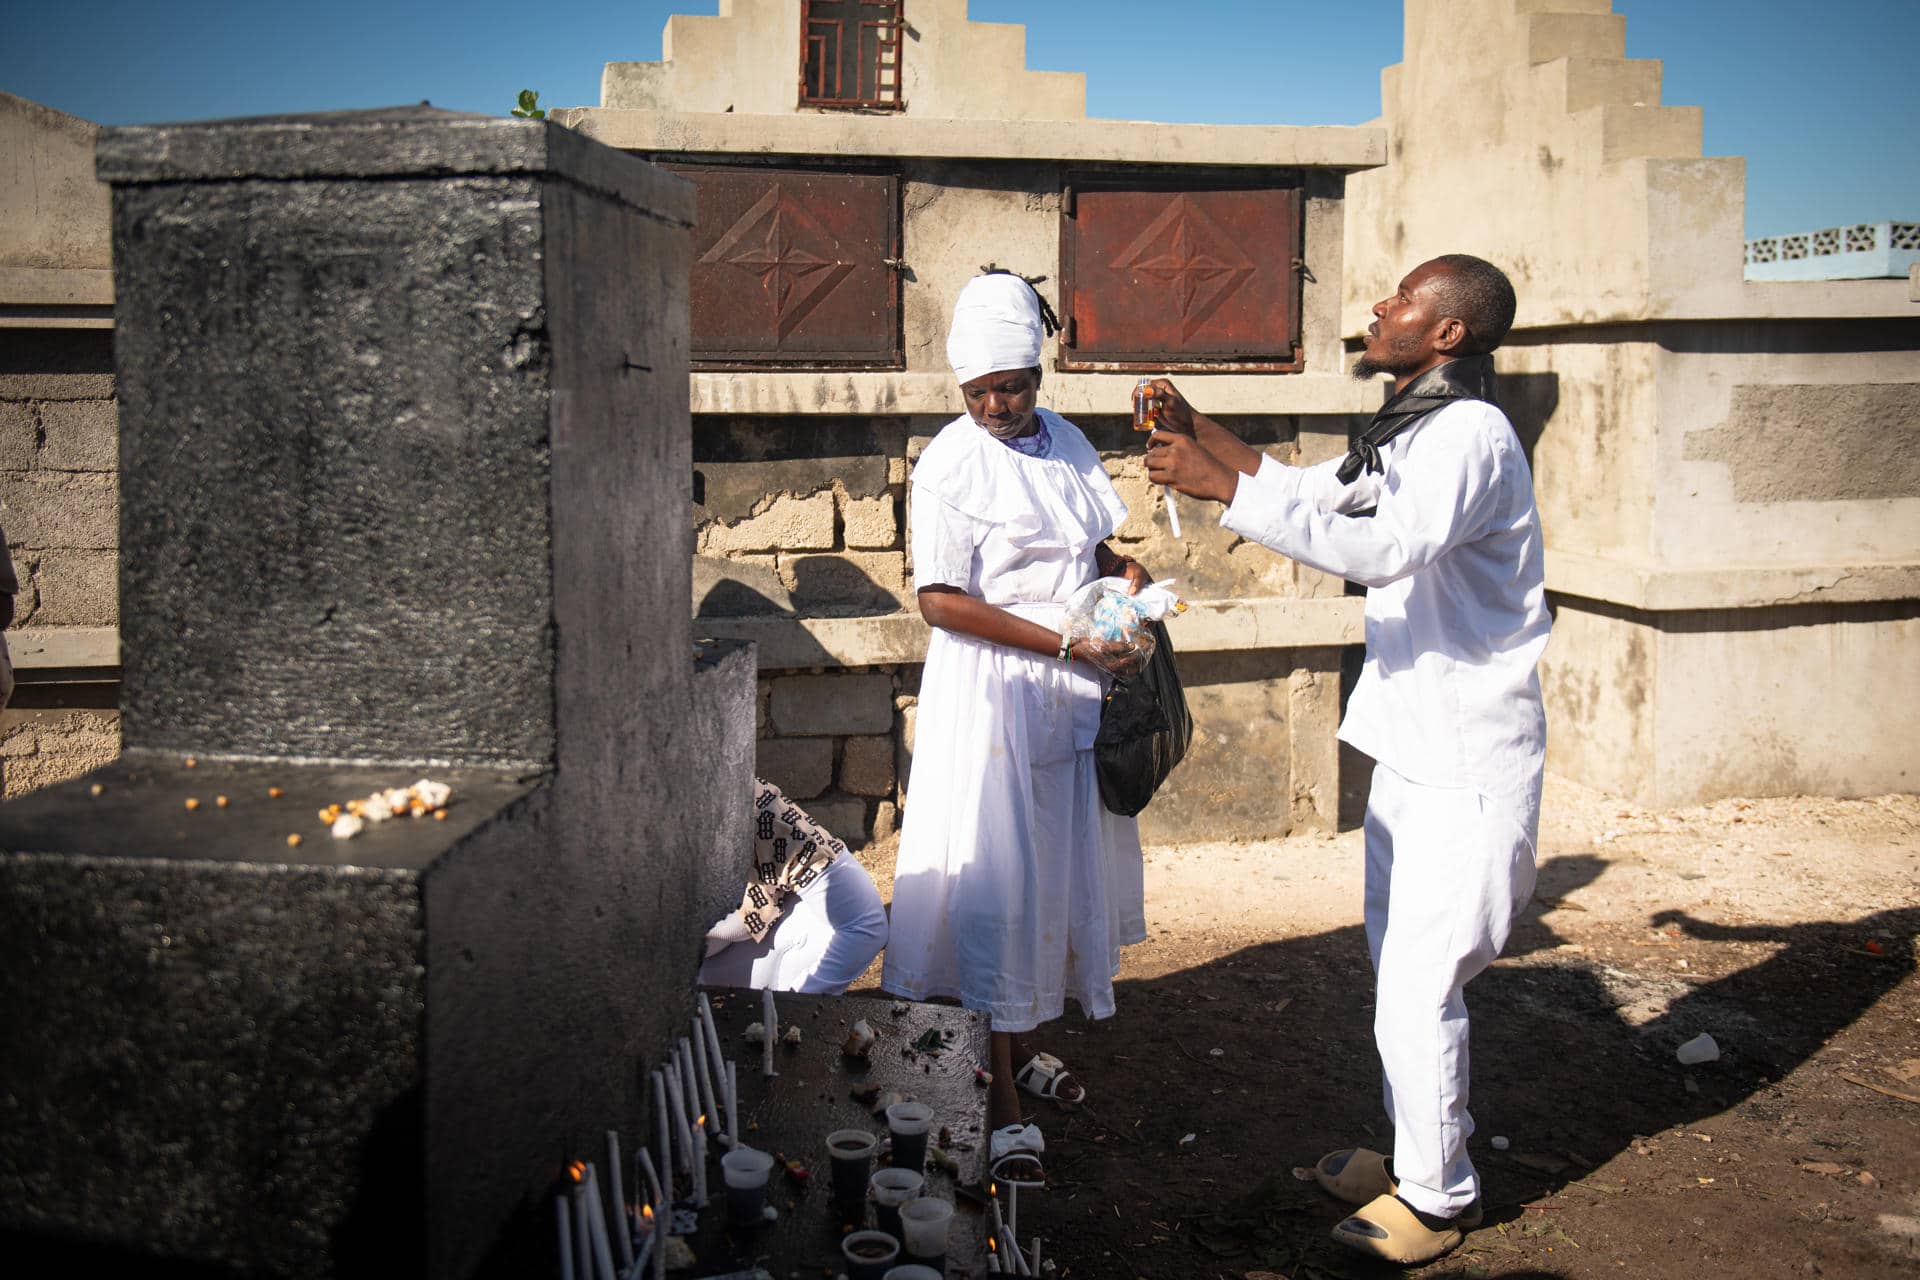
(347, 826)
(434, 795)
(375, 808)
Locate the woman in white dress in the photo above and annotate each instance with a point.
(1015, 888)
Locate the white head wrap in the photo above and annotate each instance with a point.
(996, 326)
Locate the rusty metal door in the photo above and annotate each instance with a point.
(795, 267)
(1169, 274)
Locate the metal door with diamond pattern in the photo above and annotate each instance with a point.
(792, 267)
(1168, 274)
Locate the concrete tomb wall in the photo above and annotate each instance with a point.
(394, 496)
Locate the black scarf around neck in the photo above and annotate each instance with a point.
(1467, 378)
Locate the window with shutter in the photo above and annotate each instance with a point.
(850, 53)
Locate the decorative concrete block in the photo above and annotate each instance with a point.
(832, 705)
(801, 767)
(869, 524)
(866, 766)
(850, 583)
(786, 523)
(79, 435)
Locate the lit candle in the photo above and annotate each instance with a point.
(689, 1078)
(733, 1106)
(645, 1161)
(700, 1166)
(660, 1133)
(705, 1072)
(770, 1024)
(714, 1055)
(677, 1117)
(582, 1224)
(563, 1221)
(602, 1252)
(622, 1229)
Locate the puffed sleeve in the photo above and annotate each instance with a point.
(943, 540)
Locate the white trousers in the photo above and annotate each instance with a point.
(826, 938)
(1447, 871)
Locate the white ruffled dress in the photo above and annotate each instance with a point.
(1014, 886)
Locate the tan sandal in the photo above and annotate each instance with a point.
(1354, 1174)
(1387, 1229)
(1359, 1176)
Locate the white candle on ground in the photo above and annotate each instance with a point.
(582, 1228)
(602, 1251)
(563, 1221)
(661, 1141)
(662, 1228)
(709, 1101)
(1013, 1212)
(689, 1079)
(714, 1055)
(622, 1223)
(654, 1194)
(699, 1167)
(677, 1117)
(733, 1106)
(1033, 1267)
(770, 1023)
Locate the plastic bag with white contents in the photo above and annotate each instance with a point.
(1102, 610)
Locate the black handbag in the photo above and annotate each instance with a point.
(1144, 731)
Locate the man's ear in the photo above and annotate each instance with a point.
(1450, 336)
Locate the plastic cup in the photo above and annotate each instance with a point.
(746, 1173)
(924, 1223)
(913, 1271)
(851, 1153)
(869, 1254)
(909, 1122)
(891, 1188)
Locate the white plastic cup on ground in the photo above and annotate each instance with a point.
(913, 1271)
(1702, 1048)
(908, 1122)
(869, 1254)
(746, 1173)
(850, 1152)
(891, 1188)
(923, 1225)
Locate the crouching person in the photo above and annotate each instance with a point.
(810, 919)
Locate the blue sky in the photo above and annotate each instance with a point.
(1821, 99)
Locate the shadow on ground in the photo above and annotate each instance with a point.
(1214, 1082)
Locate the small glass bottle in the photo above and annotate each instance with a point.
(1146, 406)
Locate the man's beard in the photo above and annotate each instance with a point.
(1395, 357)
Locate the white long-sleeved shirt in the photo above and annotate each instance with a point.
(1456, 598)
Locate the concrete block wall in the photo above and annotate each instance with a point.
(59, 505)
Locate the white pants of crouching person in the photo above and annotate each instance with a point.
(824, 940)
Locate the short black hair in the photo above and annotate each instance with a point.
(1478, 294)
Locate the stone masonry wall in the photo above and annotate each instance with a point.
(59, 504)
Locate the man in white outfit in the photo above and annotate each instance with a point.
(1432, 511)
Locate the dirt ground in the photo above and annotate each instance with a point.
(1242, 1050)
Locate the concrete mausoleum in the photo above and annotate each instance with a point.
(1733, 547)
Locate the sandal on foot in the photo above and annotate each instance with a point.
(1355, 1174)
(1013, 1155)
(1388, 1229)
(1045, 1076)
(1360, 1176)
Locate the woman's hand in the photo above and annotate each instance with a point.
(1111, 656)
(1110, 564)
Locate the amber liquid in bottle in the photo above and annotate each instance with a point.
(1146, 406)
